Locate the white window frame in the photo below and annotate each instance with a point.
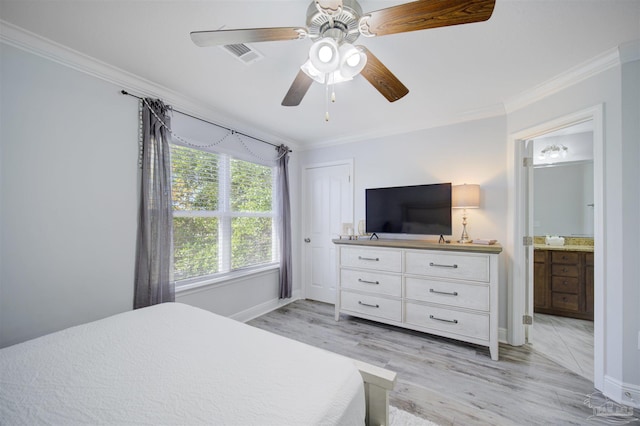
(225, 216)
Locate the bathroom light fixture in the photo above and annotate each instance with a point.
(465, 197)
(553, 151)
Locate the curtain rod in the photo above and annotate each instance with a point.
(124, 92)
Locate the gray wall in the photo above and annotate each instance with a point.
(68, 197)
(469, 152)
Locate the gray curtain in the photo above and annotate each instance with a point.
(153, 274)
(284, 216)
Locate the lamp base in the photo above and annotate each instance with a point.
(464, 238)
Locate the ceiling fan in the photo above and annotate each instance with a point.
(334, 25)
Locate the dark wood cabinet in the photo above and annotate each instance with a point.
(540, 280)
(563, 283)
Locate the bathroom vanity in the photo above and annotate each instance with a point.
(563, 279)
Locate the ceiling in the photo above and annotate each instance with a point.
(453, 73)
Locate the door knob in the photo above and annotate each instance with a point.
(307, 240)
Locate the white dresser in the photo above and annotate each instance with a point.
(446, 289)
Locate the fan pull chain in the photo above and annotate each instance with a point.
(326, 102)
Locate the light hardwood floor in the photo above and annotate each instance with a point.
(445, 381)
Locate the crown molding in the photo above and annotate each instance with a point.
(30, 42)
(624, 53)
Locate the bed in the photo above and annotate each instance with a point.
(176, 364)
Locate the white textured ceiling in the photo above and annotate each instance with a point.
(452, 73)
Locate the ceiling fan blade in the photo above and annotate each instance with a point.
(381, 78)
(298, 89)
(248, 35)
(425, 14)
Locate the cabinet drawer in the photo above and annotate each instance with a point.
(565, 301)
(381, 260)
(564, 284)
(565, 270)
(565, 257)
(372, 282)
(470, 267)
(452, 321)
(371, 305)
(539, 255)
(448, 293)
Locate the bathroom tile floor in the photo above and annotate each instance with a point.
(567, 341)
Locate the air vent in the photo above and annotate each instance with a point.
(243, 53)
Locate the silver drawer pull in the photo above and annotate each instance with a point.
(455, 293)
(443, 320)
(437, 265)
(375, 259)
(366, 304)
(360, 280)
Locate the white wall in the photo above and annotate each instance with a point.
(471, 152)
(68, 179)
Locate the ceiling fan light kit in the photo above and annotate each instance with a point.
(334, 25)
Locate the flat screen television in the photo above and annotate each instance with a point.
(417, 209)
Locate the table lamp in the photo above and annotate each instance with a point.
(465, 197)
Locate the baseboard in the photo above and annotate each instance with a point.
(265, 307)
(502, 335)
(622, 393)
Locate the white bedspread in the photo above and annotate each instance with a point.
(175, 364)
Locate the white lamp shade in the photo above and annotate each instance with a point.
(352, 60)
(465, 196)
(324, 55)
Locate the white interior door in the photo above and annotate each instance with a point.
(327, 205)
(528, 225)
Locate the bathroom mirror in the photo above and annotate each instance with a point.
(563, 182)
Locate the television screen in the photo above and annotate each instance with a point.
(417, 209)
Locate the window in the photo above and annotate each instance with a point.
(223, 214)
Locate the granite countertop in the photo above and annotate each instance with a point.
(571, 244)
(565, 247)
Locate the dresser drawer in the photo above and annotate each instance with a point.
(565, 257)
(448, 293)
(565, 301)
(448, 320)
(372, 305)
(381, 260)
(472, 267)
(565, 270)
(564, 284)
(373, 282)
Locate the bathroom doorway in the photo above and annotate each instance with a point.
(521, 241)
(563, 232)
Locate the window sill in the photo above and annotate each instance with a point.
(226, 279)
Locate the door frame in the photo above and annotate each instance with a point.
(305, 218)
(519, 268)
